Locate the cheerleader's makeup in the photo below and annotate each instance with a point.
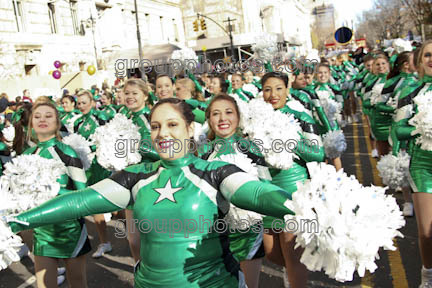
(84, 104)
(105, 100)
(300, 81)
(275, 92)
(381, 66)
(369, 65)
(182, 92)
(248, 75)
(44, 122)
(135, 98)
(427, 60)
(237, 82)
(223, 118)
(164, 88)
(323, 75)
(215, 86)
(67, 104)
(169, 132)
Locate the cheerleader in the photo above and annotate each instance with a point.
(164, 87)
(86, 126)
(65, 240)
(185, 89)
(217, 85)
(279, 246)
(180, 187)
(421, 164)
(247, 245)
(400, 76)
(120, 106)
(107, 104)
(301, 92)
(366, 88)
(326, 90)
(380, 122)
(69, 115)
(237, 87)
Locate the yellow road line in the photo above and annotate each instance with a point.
(396, 267)
(367, 280)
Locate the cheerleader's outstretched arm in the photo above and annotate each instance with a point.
(74, 205)
(246, 192)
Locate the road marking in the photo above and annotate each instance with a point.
(367, 279)
(396, 267)
(28, 282)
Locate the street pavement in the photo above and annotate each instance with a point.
(399, 269)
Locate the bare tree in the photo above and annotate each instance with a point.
(386, 20)
(420, 12)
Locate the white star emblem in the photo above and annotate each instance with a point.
(87, 127)
(167, 192)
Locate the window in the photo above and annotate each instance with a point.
(176, 32)
(19, 15)
(73, 9)
(162, 28)
(52, 16)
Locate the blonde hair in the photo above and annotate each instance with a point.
(190, 85)
(142, 85)
(419, 62)
(58, 122)
(86, 93)
(42, 99)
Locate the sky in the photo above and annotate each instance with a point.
(349, 9)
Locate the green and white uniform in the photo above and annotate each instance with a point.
(67, 239)
(287, 179)
(421, 160)
(245, 244)
(85, 126)
(184, 191)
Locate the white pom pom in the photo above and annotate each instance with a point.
(265, 47)
(10, 244)
(81, 147)
(28, 181)
(262, 123)
(107, 137)
(334, 143)
(251, 88)
(351, 222)
(423, 120)
(393, 170)
(184, 54)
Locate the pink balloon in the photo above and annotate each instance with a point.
(56, 74)
(57, 64)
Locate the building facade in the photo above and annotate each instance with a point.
(35, 33)
(288, 20)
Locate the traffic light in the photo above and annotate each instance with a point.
(203, 24)
(195, 25)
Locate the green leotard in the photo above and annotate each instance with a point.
(421, 160)
(244, 244)
(184, 191)
(380, 121)
(85, 126)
